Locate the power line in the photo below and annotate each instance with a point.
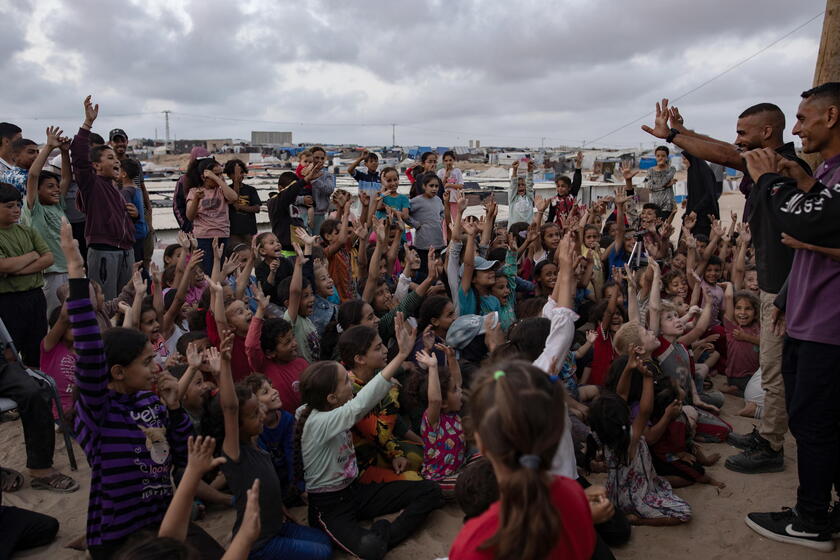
(713, 78)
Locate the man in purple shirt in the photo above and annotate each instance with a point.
(808, 212)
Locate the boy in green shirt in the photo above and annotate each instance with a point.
(44, 209)
(23, 257)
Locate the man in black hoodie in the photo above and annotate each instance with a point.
(759, 126)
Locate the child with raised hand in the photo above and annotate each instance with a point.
(109, 229)
(386, 448)
(521, 194)
(171, 539)
(44, 209)
(297, 296)
(327, 463)
(519, 416)
(246, 462)
(444, 445)
(116, 410)
(741, 321)
(335, 237)
(632, 484)
(272, 350)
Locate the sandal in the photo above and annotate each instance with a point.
(56, 482)
(10, 416)
(12, 481)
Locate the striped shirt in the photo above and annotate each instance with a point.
(131, 441)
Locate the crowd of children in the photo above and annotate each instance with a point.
(379, 354)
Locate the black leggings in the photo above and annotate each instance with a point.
(338, 513)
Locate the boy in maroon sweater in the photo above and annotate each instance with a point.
(109, 230)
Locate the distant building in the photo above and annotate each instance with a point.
(218, 145)
(269, 138)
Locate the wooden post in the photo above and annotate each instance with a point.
(828, 59)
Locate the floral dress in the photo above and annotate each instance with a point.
(444, 447)
(637, 489)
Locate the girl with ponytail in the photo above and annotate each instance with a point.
(518, 416)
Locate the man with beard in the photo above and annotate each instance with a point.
(807, 209)
(759, 126)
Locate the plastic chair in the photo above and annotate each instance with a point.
(8, 404)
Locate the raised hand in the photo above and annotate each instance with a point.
(675, 119)
(627, 170)
(428, 338)
(426, 358)
(167, 390)
(250, 529)
(591, 336)
(54, 136)
(230, 265)
(194, 356)
(91, 111)
(213, 357)
(226, 344)
(200, 454)
(405, 334)
(579, 160)
(620, 195)
(304, 236)
(540, 203)
(660, 124)
(262, 299)
(138, 283)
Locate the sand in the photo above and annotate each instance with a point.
(716, 532)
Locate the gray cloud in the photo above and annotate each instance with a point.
(509, 73)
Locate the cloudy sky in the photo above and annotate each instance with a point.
(506, 73)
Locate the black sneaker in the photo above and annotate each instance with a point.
(835, 521)
(744, 441)
(788, 527)
(761, 458)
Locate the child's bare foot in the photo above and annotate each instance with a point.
(730, 389)
(634, 519)
(678, 481)
(707, 461)
(748, 410)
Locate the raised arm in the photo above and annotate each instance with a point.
(80, 149)
(227, 398)
(703, 147)
(577, 176)
(469, 256)
(564, 287)
(373, 269)
(655, 300)
(645, 409)
(200, 461)
(53, 134)
(351, 169)
(435, 399)
(702, 323)
(296, 287)
(739, 268)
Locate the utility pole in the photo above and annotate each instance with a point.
(828, 60)
(393, 134)
(166, 116)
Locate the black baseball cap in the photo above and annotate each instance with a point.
(117, 132)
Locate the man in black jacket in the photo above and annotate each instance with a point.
(759, 126)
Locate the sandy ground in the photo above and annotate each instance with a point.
(716, 532)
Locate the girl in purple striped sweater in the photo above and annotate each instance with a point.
(132, 436)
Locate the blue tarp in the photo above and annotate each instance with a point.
(647, 162)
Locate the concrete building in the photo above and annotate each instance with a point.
(270, 138)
